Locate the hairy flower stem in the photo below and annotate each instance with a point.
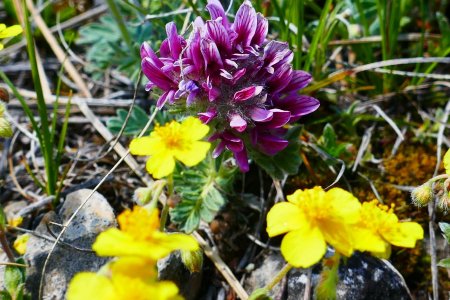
(278, 277)
(165, 210)
(439, 177)
(5, 246)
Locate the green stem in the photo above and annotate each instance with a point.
(46, 145)
(165, 211)
(278, 277)
(120, 23)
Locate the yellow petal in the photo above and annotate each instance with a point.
(345, 205)
(368, 240)
(175, 241)
(114, 242)
(447, 162)
(194, 155)
(11, 31)
(20, 244)
(144, 145)
(338, 235)
(405, 234)
(91, 286)
(194, 129)
(137, 267)
(304, 247)
(2, 27)
(284, 217)
(160, 165)
(1, 46)
(308, 195)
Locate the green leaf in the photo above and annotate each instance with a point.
(328, 142)
(444, 28)
(4, 295)
(284, 163)
(199, 190)
(445, 227)
(137, 121)
(14, 278)
(445, 263)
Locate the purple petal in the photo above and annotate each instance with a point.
(174, 40)
(216, 11)
(280, 79)
(146, 51)
(211, 54)
(261, 115)
(242, 160)
(207, 116)
(171, 96)
(191, 98)
(280, 118)
(270, 144)
(247, 93)
(274, 52)
(245, 24)
(162, 100)
(299, 80)
(262, 28)
(219, 35)
(298, 105)
(229, 137)
(193, 50)
(213, 94)
(225, 74)
(231, 63)
(164, 49)
(219, 149)
(155, 75)
(238, 74)
(237, 122)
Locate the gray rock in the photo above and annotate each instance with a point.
(96, 216)
(172, 268)
(361, 277)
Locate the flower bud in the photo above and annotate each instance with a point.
(5, 128)
(421, 195)
(193, 260)
(444, 201)
(20, 244)
(144, 195)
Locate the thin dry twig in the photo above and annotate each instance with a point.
(221, 267)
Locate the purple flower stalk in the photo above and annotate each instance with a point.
(234, 78)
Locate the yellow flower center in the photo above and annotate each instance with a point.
(172, 136)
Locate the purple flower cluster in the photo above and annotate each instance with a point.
(234, 78)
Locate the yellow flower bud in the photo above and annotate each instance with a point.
(421, 195)
(193, 260)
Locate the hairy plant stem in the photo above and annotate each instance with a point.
(165, 210)
(278, 277)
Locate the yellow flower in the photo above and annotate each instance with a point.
(20, 244)
(139, 236)
(180, 141)
(380, 222)
(6, 32)
(447, 162)
(312, 218)
(126, 278)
